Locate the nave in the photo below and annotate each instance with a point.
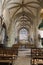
(21, 32)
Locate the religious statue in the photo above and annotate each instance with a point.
(3, 33)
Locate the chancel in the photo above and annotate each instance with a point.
(21, 32)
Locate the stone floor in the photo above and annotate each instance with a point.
(22, 61)
(23, 58)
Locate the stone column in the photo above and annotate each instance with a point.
(0, 7)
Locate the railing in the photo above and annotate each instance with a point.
(37, 53)
(8, 54)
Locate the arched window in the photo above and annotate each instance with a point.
(23, 35)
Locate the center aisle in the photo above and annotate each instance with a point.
(23, 58)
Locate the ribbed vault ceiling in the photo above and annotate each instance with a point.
(25, 10)
(16, 6)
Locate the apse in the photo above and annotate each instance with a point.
(23, 35)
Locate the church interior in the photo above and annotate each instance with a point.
(21, 32)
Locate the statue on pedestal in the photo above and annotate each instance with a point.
(3, 33)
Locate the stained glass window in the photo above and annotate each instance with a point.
(23, 34)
